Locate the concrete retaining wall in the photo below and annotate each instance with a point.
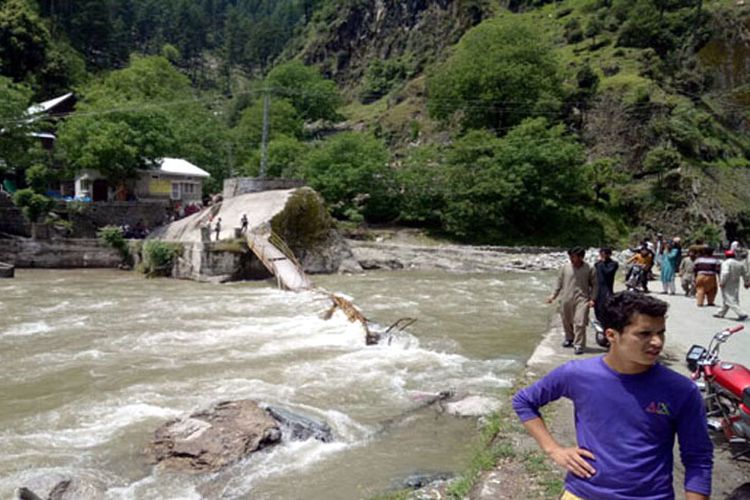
(58, 253)
(208, 262)
(245, 185)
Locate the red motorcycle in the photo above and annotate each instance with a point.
(727, 389)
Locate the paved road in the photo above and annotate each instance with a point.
(688, 324)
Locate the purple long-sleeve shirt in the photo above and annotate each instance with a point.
(628, 422)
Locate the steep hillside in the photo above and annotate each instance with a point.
(346, 38)
(659, 99)
(518, 121)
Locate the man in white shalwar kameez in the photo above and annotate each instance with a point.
(732, 270)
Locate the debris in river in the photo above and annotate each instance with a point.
(353, 313)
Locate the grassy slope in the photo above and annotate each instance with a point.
(403, 119)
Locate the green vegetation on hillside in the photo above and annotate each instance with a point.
(547, 122)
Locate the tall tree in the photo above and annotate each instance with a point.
(24, 40)
(501, 72)
(312, 96)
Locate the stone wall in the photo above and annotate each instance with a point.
(58, 253)
(12, 220)
(244, 185)
(88, 217)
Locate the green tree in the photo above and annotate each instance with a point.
(120, 128)
(117, 144)
(660, 160)
(16, 145)
(24, 40)
(312, 96)
(521, 188)
(283, 120)
(285, 156)
(352, 173)
(603, 178)
(33, 205)
(422, 186)
(501, 72)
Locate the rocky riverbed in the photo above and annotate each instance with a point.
(373, 255)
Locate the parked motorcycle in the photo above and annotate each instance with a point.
(727, 390)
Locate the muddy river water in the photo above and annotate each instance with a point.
(92, 361)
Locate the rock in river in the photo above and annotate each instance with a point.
(301, 427)
(473, 406)
(209, 440)
(55, 486)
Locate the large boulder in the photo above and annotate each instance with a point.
(208, 440)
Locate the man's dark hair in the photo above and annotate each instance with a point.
(606, 250)
(579, 251)
(619, 309)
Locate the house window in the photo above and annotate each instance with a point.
(176, 191)
(188, 188)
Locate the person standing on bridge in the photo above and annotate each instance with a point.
(576, 287)
(217, 228)
(628, 411)
(243, 224)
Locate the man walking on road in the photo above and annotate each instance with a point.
(606, 269)
(628, 410)
(576, 287)
(729, 282)
(706, 269)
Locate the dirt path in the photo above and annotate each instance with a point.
(527, 474)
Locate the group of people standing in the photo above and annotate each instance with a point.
(581, 287)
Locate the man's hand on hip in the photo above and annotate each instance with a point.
(572, 459)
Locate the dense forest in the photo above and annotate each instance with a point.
(520, 121)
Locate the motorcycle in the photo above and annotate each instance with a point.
(727, 390)
(636, 279)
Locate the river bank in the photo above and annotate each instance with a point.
(518, 469)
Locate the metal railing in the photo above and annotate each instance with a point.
(257, 243)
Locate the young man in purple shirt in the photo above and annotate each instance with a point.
(628, 409)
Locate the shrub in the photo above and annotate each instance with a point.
(159, 257)
(32, 204)
(382, 76)
(112, 236)
(38, 177)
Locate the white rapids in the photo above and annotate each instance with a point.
(91, 362)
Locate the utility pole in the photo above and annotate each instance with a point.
(264, 140)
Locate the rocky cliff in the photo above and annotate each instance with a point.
(351, 35)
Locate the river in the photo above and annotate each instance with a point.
(92, 361)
